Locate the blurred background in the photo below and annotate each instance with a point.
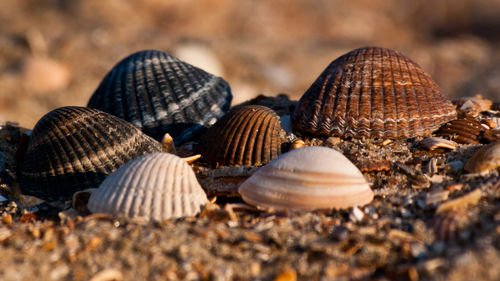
(55, 52)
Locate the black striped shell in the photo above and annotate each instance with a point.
(154, 187)
(75, 148)
(158, 93)
(373, 92)
(246, 136)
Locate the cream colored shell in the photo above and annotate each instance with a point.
(306, 179)
(154, 187)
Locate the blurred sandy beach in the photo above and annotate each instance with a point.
(54, 52)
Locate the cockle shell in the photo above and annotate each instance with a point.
(466, 130)
(246, 136)
(155, 187)
(485, 159)
(373, 92)
(306, 179)
(158, 93)
(75, 148)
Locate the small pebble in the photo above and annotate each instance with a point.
(287, 275)
(456, 165)
(356, 214)
(108, 275)
(333, 141)
(417, 250)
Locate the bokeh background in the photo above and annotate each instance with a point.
(55, 52)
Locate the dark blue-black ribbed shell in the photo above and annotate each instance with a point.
(159, 93)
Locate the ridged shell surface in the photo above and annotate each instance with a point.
(467, 130)
(155, 187)
(306, 179)
(372, 92)
(246, 136)
(75, 148)
(158, 93)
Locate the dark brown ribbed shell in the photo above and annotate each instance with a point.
(467, 130)
(159, 94)
(247, 135)
(74, 148)
(372, 92)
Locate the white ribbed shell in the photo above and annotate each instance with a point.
(155, 187)
(306, 179)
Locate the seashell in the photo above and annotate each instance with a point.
(374, 165)
(154, 187)
(492, 135)
(372, 92)
(470, 199)
(467, 130)
(248, 136)
(306, 179)
(435, 142)
(485, 159)
(75, 148)
(167, 144)
(158, 93)
(492, 123)
(472, 106)
(298, 144)
(451, 226)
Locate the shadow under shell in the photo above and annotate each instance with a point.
(159, 94)
(75, 148)
(373, 92)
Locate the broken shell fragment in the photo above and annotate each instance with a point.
(436, 142)
(74, 148)
(167, 144)
(307, 178)
(373, 92)
(485, 159)
(472, 106)
(246, 136)
(159, 93)
(154, 187)
(298, 144)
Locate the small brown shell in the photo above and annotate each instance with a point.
(373, 92)
(307, 178)
(467, 130)
(492, 135)
(247, 136)
(485, 159)
(450, 226)
(74, 148)
(155, 187)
